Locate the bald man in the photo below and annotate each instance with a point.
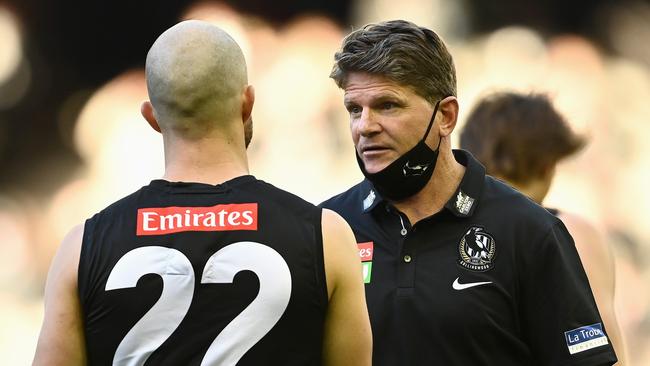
(208, 265)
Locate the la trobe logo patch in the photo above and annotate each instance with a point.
(477, 250)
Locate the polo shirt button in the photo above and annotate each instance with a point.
(407, 258)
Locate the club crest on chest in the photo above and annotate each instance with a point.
(476, 250)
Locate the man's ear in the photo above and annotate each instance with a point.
(448, 111)
(146, 109)
(247, 103)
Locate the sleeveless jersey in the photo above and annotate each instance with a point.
(195, 274)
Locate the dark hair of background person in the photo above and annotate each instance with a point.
(401, 51)
(518, 137)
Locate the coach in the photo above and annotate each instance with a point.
(460, 269)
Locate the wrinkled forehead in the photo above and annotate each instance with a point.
(359, 83)
(363, 87)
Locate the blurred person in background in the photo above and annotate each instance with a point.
(208, 265)
(460, 269)
(520, 138)
(632, 295)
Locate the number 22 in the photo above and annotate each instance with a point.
(241, 334)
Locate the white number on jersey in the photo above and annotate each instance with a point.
(240, 335)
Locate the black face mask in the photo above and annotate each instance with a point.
(408, 174)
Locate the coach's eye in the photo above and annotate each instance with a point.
(388, 106)
(353, 109)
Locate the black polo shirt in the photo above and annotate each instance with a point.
(492, 279)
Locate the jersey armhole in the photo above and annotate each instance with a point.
(84, 276)
(319, 257)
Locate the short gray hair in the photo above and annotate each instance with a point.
(408, 54)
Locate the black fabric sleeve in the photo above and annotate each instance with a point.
(557, 303)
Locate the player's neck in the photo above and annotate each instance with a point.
(433, 197)
(209, 161)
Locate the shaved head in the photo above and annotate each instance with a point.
(196, 78)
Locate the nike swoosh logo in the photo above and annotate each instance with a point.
(462, 286)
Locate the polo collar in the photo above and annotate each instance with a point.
(462, 203)
(370, 198)
(466, 197)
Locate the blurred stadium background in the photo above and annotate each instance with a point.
(72, 139)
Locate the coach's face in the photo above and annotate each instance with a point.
(386, 119)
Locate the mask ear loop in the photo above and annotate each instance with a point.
(426, 134)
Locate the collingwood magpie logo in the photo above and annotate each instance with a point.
(477, 250)
(414, 170)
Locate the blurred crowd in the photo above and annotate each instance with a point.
(301, 141)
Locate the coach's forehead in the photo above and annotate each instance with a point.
(361, 85)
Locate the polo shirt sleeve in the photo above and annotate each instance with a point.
(559, 317)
